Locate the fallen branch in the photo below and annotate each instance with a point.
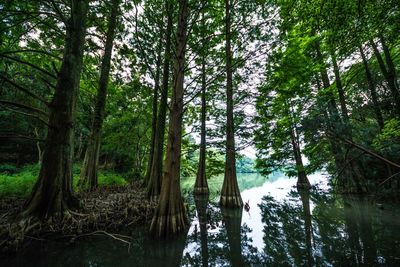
(367, 151)
(387, 179)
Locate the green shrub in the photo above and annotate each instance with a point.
(21, 182)
(8, 168)
(109, 178)
(17, 185)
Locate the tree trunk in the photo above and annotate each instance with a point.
(389, 63)
(53, 192)
(334, 122)
(39, 148)
(390, 77)
(302, 180)
(230, 194)
(88, 177)
(170, 216)
(372, 89)
(332, 107)
(154, 112)
(339, 87)
(201, 186)
(155, 178)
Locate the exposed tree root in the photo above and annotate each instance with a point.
(112, 208)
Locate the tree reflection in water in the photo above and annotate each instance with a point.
(314, 229)
(302, 228)
(223, 240)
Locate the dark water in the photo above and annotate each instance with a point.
(284, 227)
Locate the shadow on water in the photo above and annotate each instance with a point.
(284, 227)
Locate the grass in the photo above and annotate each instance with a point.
(19, 182)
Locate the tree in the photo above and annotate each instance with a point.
(201, 186)
(230, 194)
(53, 193)
(170, 216)
(88, 177)
(155, 179)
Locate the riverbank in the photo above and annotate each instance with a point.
(106, 210)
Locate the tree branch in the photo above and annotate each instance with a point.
(18, 105)
(26, 91)
(29, 64)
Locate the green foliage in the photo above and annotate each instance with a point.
(245, 164)
(388, 141)
(21, 182)
(215, 163)
(107, 178)
(8, 168)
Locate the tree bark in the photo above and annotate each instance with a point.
(201, 186)
(389, 63)
(155, 178)
(230, 194)
(53, 193)
(339, 87)
(302, 180)
(154, 112)
(372, 89)
(88, 176)
(39, 148)
(390, 77)
(170, 216)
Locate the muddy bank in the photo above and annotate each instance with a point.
(109, 211)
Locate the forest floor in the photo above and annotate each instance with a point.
(106, 210)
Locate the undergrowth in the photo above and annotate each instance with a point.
(18, 182)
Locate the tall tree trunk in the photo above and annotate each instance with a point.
(332, 107)
(331, 112)
(39, 148)
(154, 112)
(201, 186)
(170, 216)
(339, 87)
(53, 193)
(302, 180)
(230, 194)
(389, 63)
(155, 178)
(332, 122)
(390, 77)
(88, 177)
(372, 89)
(346, 128)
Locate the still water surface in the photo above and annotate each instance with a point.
(284, 227)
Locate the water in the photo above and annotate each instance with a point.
(284, 227)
